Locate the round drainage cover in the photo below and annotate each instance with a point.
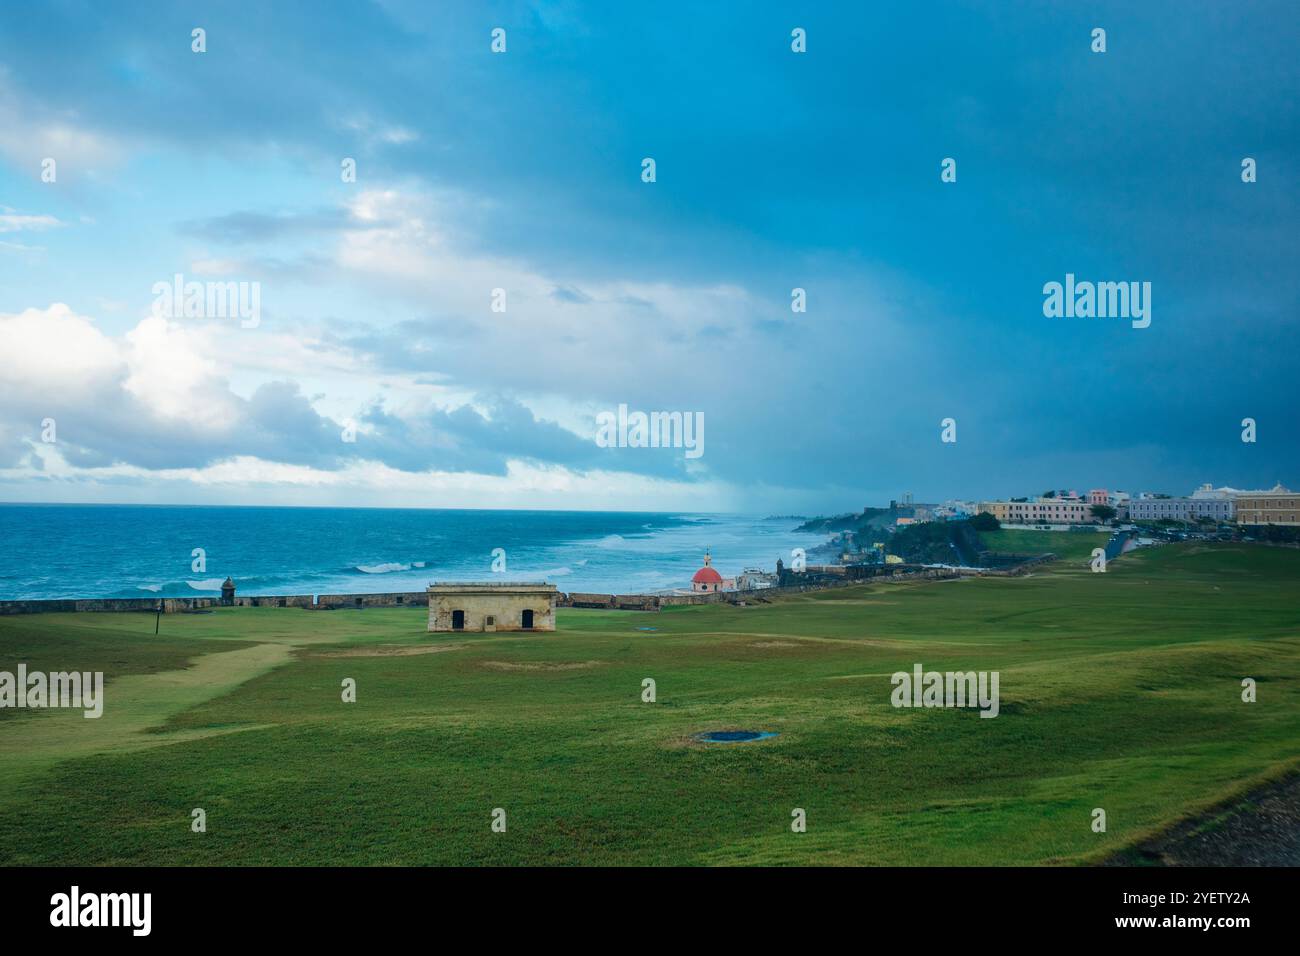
(733, 736)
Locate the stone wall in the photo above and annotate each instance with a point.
(183, 604)
(420, 599)
(814, 582)
(387, 599)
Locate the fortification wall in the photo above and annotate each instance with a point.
(579, 599)
(183, 604)
(386, 599)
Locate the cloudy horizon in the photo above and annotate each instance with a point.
(381, 369)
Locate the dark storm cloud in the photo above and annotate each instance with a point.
(778, 171)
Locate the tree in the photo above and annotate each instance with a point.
(984, 522)
(1103, 513)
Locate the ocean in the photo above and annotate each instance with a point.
(88, 551)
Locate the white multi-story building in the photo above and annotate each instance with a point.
(1207, 501)
(1182, 509)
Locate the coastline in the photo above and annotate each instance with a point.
(122, 552)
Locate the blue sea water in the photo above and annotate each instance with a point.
(83, 551)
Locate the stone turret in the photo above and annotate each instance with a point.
(228, 593)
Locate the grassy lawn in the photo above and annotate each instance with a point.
(1118, 690)
(1067, 545)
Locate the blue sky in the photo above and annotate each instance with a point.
(522, 171)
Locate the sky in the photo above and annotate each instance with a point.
(383, 368)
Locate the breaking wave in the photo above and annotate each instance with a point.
(386, 568)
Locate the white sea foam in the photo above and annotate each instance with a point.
(383, 568)
(149, 587)
(207, 584)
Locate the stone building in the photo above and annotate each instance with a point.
(492, 606)
(755, 579)
(1278, 506)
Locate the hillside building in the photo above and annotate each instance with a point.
(1180, 509)
(1040, 511)
(1278, 506)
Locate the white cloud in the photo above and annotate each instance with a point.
(11, 221)
(155, 407)
(172, 373)
(374, 132)
(584, 339)
(247, 479)
(55, 350)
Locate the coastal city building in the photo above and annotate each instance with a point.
(1267, 506)
(1206, 503)
(492, 606)
(916, 511)
(1278, 506)
(1040, 511)
(1180, 509)
(1208, 490)
(1119, 500)
(1235, 494)
(1112, 499)
(755, 579)
(955, 509)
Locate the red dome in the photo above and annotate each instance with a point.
(707, 575)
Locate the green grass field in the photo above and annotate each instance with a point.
(1067, 545)
(1119, 690)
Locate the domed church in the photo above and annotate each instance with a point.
(707, 579)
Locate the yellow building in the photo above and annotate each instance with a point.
(1278, 506)
(1040, 511)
